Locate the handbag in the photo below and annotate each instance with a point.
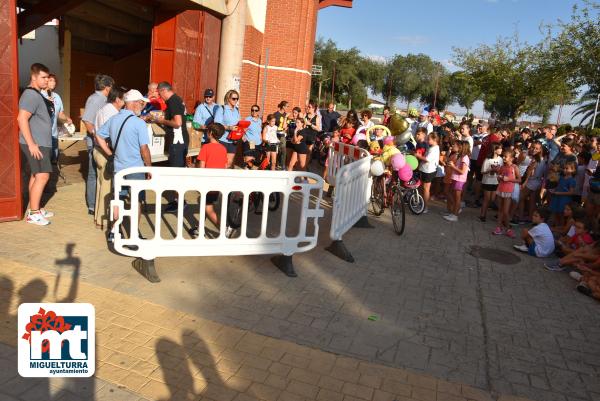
(110, 162)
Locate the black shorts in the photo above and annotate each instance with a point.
(212, 197)
(427, 177)
(489, 187)
(44, 165)
(301, 148)
(289, 144)
(250, 152)
(230, 146)
(272, 147)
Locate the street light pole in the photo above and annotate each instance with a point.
(596, 111)
(333, 84)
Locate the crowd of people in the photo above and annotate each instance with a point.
(529, 177)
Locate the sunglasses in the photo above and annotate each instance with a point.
(254, 110)
(234, 98)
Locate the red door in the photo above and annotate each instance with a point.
(11, 207)
(183, 53)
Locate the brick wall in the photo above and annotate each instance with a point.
(290, 37)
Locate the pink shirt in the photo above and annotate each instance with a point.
(461, 177)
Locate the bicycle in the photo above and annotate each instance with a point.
(389, 195)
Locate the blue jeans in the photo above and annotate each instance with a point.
(90, 185)
(124, 192)
(54, 149)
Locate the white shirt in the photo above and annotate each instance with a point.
(425, 124)
(470, 140)
(477, 148)
(544, 241)
(433, 159)
(271, 134)
(488, 178)
(104, 114)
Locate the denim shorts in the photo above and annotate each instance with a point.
(124, 193)
(531, 249)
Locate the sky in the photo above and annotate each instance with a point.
(383, 28)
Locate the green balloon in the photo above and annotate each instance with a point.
(412, 162)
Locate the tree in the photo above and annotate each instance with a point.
(412, 76)
(353, 74)
(436, 88)
(464, 90)
(587, 107)
(515, 78)
(576, 47)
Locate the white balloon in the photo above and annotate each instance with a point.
(377, 168)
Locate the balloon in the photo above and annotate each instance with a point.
(388, 140)
(404, 137)
(358, 137)
(405, 173)
(398, 161)
(377, 168)
(397, 124)
(388, 152)
(412, 162)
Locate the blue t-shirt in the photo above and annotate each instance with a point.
(565, 184)
(254, 131)
(205, 114)
(227, 115)
(553, 148)
(133, 137)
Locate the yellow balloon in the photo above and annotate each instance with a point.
(596, 156)
(383, 127)
(388, 152)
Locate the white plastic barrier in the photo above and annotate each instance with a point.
(351, 199)
(235, 182)
(341, 154)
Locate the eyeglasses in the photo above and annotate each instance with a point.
(254, 110)
(234, 98)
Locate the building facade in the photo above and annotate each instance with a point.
(263, 48)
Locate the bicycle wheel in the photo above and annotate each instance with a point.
(234, 212)
(416, 203)
(397, 209)
(274, 201)
(377, 194)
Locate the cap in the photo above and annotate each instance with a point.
(425, 113)
(209, 93)
(134, 95)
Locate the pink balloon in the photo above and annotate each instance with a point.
(405, 173)
(398, 161)
(358, 137)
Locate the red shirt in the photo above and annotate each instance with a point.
(158, 103)
(577, 241)
(486, 145)
(214, 155)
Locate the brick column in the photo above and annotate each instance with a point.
(10, 171)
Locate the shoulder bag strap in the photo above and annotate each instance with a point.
(212, 115)
(119, 134)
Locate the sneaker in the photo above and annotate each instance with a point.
(194, 232)
(460, 210)
(522, 248)
(584, 289)
(576, 275)
(514, 222)
(229, 232)
(510, 233)
(482, 219)
(498, 231)
(425, 211)
(554, 266)
(47, 214)
(445, 213)
(451, 217)
(37, 218)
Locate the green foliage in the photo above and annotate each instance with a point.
(463, 89)
(353, 74)
(594, 132)
(515, 78)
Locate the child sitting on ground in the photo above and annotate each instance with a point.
(580, 238)
(566, 229)
(538, 241)
(589, 278)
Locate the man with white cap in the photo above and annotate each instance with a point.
(424, 122)
(130, 147)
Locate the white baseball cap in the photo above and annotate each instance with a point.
(133, 96)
